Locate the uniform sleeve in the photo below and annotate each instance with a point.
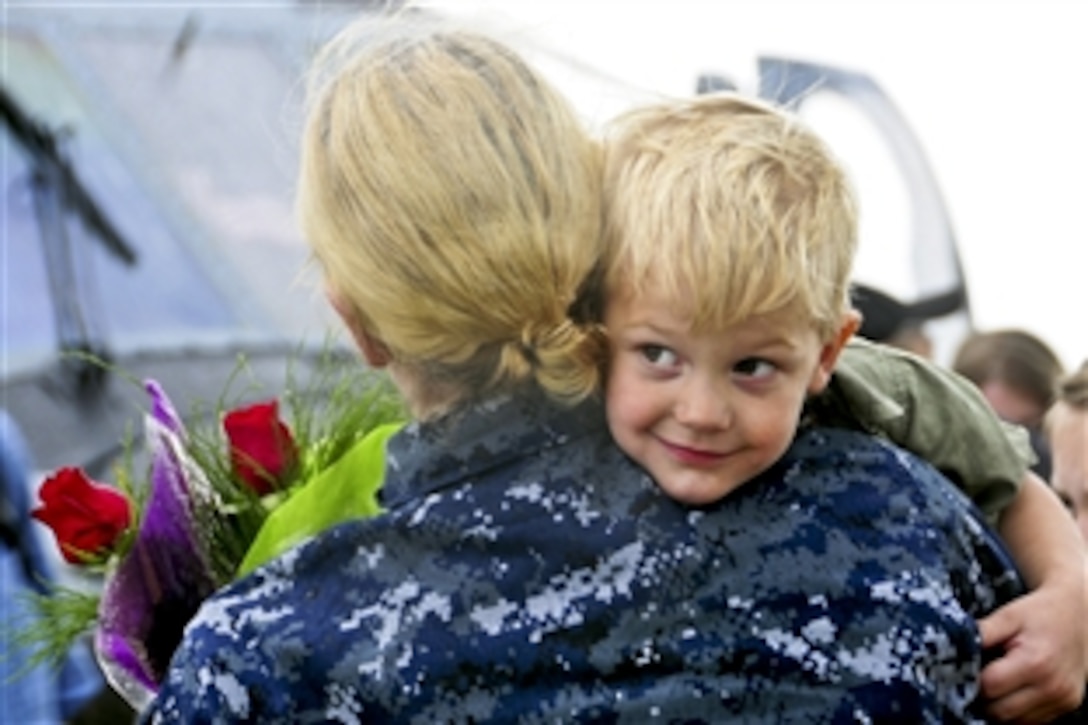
(937, 415)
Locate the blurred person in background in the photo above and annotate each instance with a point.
(1066, 428)
(1018, 373)
(31, 693)
(887, 320)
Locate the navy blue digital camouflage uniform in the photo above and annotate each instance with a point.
(527, 571)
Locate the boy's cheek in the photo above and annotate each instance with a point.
(628, 403)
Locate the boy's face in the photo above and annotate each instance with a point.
(705, 412)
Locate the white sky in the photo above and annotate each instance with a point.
(994, 90)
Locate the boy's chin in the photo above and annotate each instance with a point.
(697, 493)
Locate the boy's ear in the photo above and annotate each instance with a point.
(829, 354)
(374, 351)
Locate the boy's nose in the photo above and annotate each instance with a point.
(702, 405)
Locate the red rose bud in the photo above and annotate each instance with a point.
(86, 517)
(262, 450)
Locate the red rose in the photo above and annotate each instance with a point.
(86, 517)
(262, 450)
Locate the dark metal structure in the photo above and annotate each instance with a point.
(148, 230)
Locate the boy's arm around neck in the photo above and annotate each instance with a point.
(1043, 670)
(1037, 526)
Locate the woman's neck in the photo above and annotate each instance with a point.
(426, 398)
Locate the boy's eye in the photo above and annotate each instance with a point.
(754, 367)
(658, 356)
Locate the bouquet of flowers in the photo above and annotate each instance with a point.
(167, 540)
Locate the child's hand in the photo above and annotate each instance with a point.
(1041, 673)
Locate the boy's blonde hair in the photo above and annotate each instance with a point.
(452, 198)
(732, 208)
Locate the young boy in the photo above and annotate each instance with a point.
(730, 236)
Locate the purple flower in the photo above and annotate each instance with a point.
(162, 410)
(162, 580)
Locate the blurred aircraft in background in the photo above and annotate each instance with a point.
(149, 164)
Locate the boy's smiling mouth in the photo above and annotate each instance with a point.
(697, 457)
